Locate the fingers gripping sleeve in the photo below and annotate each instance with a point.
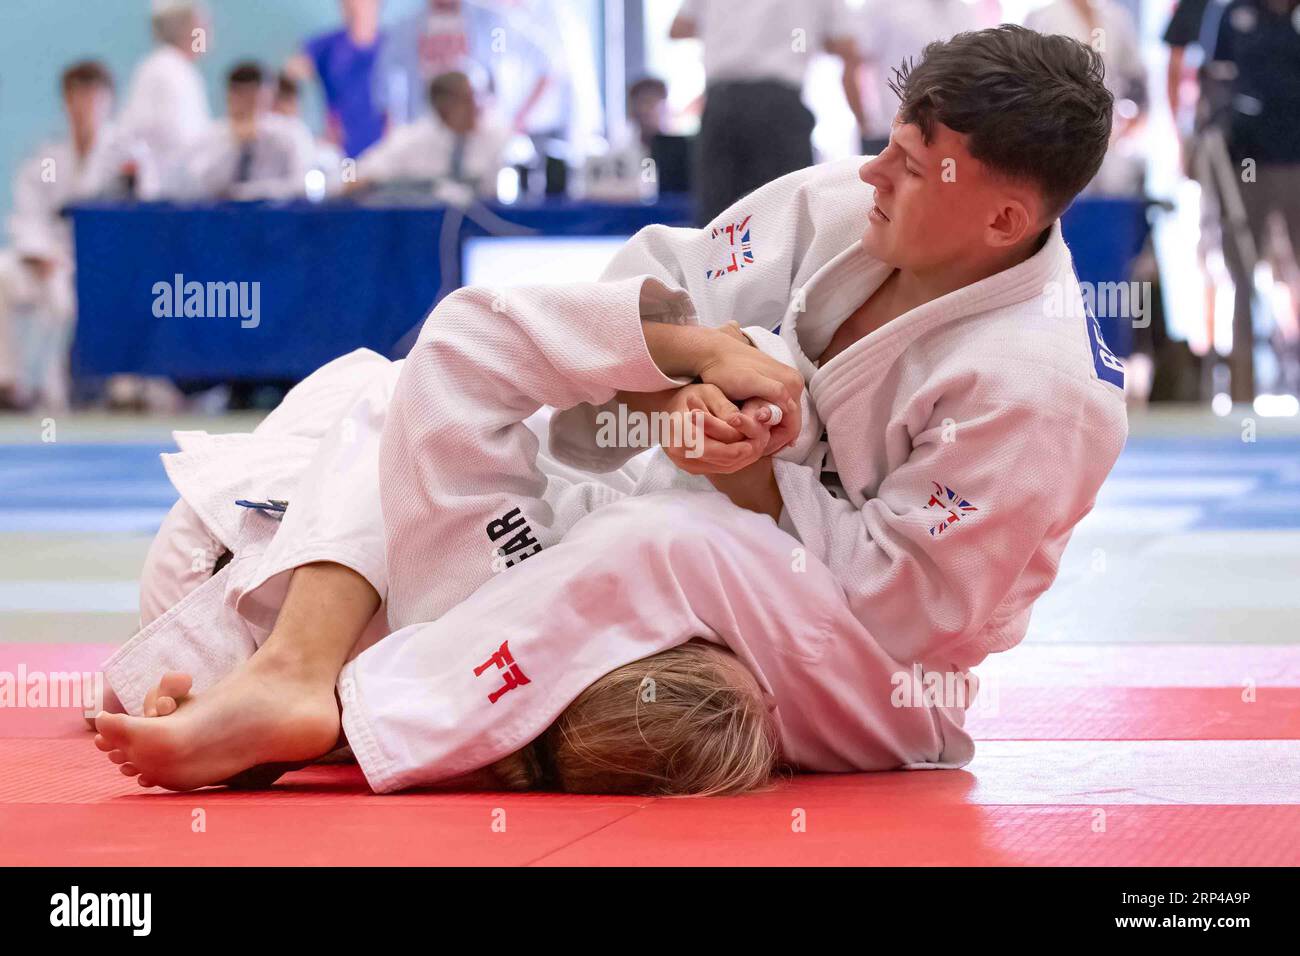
(744, 266)
(461, 493)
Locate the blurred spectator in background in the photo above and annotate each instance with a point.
(755, 127)
(37, 301)
(1108, 28)
(1257, 49)
(1184, 33)
(166, 105)
(324, 154)
(618, 173)
(456, 143)
(344, 60)
(433, 42)
(251, 153)
(531, 59)
(286, 99)
(888, 33)
(1194, 97)
(647, 108)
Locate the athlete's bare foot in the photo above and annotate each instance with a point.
(268, 711)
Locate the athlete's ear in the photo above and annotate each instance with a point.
(1010, 223)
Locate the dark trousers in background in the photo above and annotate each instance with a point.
(1275, 192)
(751, 133)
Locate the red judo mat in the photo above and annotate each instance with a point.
(1078, 763)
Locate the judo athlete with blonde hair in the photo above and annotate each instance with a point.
(961, 413)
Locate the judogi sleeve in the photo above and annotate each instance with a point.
(954, 530)
(461, 492)
(746, 266)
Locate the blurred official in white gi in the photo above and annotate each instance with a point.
(37, 301)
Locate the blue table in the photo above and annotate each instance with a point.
(334, 277)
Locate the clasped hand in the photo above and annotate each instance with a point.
(728, 409)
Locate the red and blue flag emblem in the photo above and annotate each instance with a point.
(739, 248)
(945, 499)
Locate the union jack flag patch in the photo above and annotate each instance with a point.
(739, 249)
(945, 499)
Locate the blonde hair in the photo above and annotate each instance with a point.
(688, 721)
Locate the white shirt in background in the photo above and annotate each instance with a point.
(764, 39)
(282, 153)
(888, 32)
(423, 150)
(166, 107)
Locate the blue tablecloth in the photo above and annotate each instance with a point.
(332, 278)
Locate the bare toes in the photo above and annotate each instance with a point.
(112, 727)
(104, 744)
(175, 684)
(165, 706)
(128, 770)
(117, 756)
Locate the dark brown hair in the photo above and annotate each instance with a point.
(86, 73)
(247, 73)
(1033, 107)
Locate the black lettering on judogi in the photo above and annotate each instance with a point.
(505, 524)
(523, 539)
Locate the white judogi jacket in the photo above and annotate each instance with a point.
(51, 178)
(970, 435)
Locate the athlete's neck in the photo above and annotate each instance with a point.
(915, 287)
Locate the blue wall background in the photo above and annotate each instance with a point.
(39, 37)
